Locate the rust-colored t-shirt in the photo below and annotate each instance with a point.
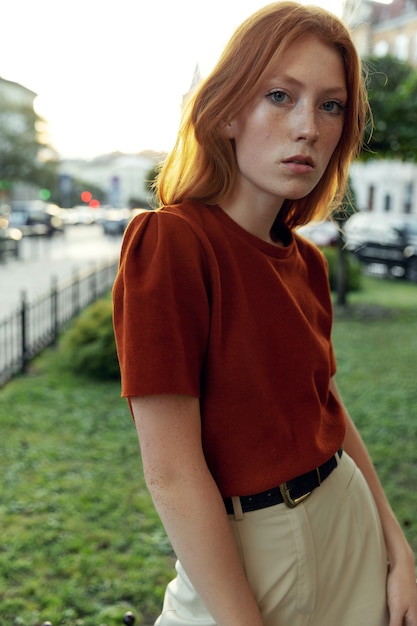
(202, 307)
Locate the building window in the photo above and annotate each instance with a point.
(401, 47)
(414, 59)
(381, 48)
(371, 196)
(409, 192)
(387, 203)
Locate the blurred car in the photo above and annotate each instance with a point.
(35, 217)
(10, 239)
(80, 215)
(385, 243)
(115, 221)
(320, 233)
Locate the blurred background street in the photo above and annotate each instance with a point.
(42, 259)
(83, 131)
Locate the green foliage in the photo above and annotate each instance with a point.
(392, 92)
(347, 208)
(89, 348)
(353, 268)
(19, 143)
(151, 183)
(151, 177)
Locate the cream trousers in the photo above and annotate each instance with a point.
(322, 563)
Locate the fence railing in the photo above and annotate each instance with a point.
(36, 325)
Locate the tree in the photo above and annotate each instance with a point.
(392, 92)
(20, 146)
(150, 180)
(340, 215)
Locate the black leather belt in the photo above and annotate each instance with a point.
(292, 492)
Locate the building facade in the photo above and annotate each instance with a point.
(380, 29)
(123, 177)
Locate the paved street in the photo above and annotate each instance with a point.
(44, 259)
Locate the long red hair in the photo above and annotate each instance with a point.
(202, 164)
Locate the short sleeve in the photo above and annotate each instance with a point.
(161, 307)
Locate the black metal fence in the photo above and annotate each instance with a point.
(36, 325)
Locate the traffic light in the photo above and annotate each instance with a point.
(44, 194)
(86, 196)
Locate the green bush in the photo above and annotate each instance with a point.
(88, 347)
(354, 272)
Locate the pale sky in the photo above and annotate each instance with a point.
(110, 75)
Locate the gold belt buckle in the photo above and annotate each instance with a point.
(293, 502)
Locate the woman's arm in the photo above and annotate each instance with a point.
(402, 589)
(190, 506)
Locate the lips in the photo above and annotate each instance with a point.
(300, 159)
(299, 165)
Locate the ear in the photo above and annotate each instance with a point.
(228, 129)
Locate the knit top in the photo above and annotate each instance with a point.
(202, 307)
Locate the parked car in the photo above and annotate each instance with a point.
(320, 233)
(10, 239)
(385, 243)
(82, 215)
(35, 217)
(115, 221)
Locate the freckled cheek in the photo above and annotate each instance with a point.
(334, 134)
(246, 157)
(269, 137)
(251, 146)
(330, 140)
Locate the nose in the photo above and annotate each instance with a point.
(305, 124)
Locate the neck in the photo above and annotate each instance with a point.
(257, 219)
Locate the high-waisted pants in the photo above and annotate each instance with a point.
(322, 563)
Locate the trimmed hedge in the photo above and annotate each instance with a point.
(88, 347)
(353, 268)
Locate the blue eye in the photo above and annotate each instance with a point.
(332, 106)
(278, 97)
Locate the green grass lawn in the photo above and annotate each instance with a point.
(376, 349)
(80, 541)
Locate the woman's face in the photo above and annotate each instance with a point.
(285, 138)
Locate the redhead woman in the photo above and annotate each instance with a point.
(223, 321)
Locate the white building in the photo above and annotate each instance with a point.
(15, 97)
(380, 29)
(123, 177)
(385, 186)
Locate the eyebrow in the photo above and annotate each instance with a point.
(332, 90)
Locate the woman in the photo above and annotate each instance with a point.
(223, 321)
